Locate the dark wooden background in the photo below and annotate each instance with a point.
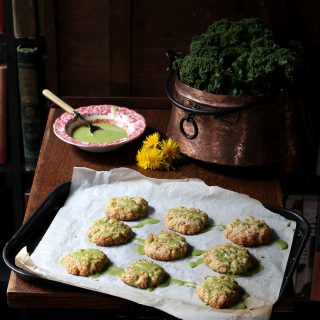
(117, 47)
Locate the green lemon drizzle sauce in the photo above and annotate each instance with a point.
(138, 239)
(61, 262)
(140, 249)
(109, 133)
(147, 221)
(177, 282)
(219, 227)
(281, 244)
(197, 252)
(115, 271)
(193, 264)
(240, 304)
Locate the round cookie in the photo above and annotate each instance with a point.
(249, 232)
(228, 258)
(143, 274)
(127, 208)
(165, 246)
(219, 291)
(186, 220)
(85, 262)
(108, 232)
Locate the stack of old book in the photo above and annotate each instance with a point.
(26, 26)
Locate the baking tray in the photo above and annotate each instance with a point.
(32, 231)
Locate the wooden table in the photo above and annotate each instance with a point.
(55, 165)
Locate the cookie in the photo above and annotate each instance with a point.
(165, 246)
(228, 258)
(186, 220)
(219, 291)
(108, 232)
(85, 262)
(143, 274)
(249, 232)
(127, 208)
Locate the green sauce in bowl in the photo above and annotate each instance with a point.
(109, 132)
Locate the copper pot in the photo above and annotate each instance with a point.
(235, 131)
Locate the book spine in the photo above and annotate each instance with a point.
(24, 19)
(315, 285)
(3, 114)
(27, 59)
(2, 24)
(41, 17)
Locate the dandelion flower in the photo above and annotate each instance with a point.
(150, 158)
(142, 158)
(152, 140)
(169, 149)
(156, 154)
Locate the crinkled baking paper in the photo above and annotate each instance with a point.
(86, 202)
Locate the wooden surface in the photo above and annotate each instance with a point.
(56, 162)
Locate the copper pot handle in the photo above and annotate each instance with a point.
(189, 118)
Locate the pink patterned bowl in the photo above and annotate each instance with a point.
(128, 119)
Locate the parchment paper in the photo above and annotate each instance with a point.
(89, 193)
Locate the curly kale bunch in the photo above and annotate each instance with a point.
(239, 58)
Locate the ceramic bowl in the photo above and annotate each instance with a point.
(128, 119)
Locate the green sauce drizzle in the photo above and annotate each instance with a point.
(183, 283)
(197, 252)
(281, 244)
(114, 270)
(178, 282)
(194, 264)
(109, 133)
(219, 227)
(143, 223)
(140, 249)
(138, 239)
(240, 304)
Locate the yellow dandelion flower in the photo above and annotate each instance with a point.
(149, 158)
(152, 140)
(142, 158)
(170, 149)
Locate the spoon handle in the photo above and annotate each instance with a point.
(47, 93)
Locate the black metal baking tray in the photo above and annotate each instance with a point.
(32, 231)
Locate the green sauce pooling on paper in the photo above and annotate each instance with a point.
(281, 244)
(109, 133)
(147, 221)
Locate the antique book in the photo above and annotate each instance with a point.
(3, 114)
(24, 19)
(41, 17)
(27, 59)
(2, 21)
